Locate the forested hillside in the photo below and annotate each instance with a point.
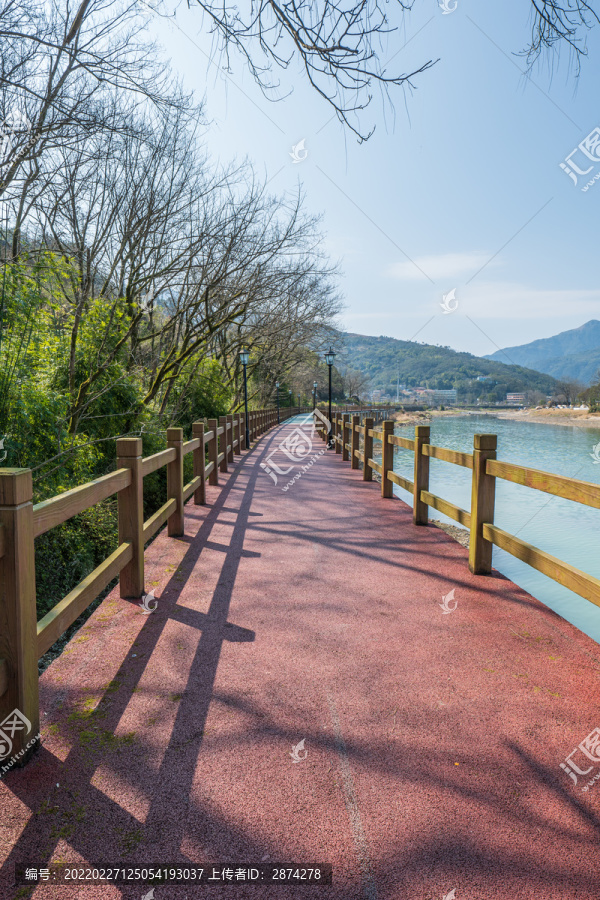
(572, 354)
(385, 360)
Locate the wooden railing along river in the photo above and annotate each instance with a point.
(354, 441)
(23, 640)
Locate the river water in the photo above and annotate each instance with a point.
(567, 530)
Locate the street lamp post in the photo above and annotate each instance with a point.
(315, 385)
(244, 357)
(329, 358)
(277, 386)
(290, 393)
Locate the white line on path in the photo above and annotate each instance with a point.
(360, 842)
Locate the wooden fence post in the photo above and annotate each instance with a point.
(337, 432)
(387, 459)
(238, 433)
(175, 527)
(131, 516)
(223, 443)
(421, 476)
(345, 437)
(18, 615)
(354, 442)
(483, 494)
(367, 451)
(199, 464)
(213, 451)
(230, 438)
(233, 436)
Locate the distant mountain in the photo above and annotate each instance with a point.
(386, 360)
(571, 355)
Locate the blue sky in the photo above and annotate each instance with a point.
(459, 188)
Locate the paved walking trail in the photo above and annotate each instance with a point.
(432, 741)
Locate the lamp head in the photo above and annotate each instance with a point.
(330, 356)
(244, 357)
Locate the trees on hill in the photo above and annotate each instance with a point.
(133, 268)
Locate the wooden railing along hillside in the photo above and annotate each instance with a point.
(354, 441)
(23, 640)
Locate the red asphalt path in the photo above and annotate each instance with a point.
(433, 741)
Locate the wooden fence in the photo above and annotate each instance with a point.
(354, 442)
(23, 640)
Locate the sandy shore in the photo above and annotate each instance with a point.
(577, 417)
(571, 417)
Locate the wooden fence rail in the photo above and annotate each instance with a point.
(23, 640)
(479, 520)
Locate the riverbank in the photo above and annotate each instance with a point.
(580, 418)
(422, 418)
(571, 417)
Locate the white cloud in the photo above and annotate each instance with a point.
(438, 268)
(505, 300)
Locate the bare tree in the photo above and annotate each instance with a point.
(343, 46)
(356, 383)
(555, 23)
(56, 64)
(568, 391)
(117, 208)
(338, 45)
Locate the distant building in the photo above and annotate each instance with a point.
(433, 396)
(484, 378)
(515, 398)
(449, 396)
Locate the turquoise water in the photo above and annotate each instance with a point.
(567, 530)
